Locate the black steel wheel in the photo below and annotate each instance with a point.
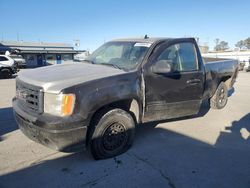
(220, 97)
(113, 133)
(115, 136)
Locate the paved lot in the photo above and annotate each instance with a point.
(210, 150)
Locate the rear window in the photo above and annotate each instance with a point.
(3, 58)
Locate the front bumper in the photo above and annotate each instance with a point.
(68, 137)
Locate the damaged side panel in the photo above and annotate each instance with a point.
(92, 96)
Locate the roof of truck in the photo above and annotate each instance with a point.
(148, 40)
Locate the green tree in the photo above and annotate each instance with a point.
(240, 44)
(217, 41)
(220, 45)
(247, 43)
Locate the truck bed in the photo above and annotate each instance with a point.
(216, 70)
(222, 66)
(213, 59)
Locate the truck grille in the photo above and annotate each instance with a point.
(30, 97)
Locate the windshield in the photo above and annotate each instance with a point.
(123, 55)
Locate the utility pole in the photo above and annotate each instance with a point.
(17, 36)
(77, 43)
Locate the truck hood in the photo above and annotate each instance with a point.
(57, 77)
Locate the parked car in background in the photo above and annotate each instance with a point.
(8, 66)
(247, 68)
(21, 62)
(96, 104)
(247, 65)
(241, 66)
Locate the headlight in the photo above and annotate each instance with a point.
(59, 105)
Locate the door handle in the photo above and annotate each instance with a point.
(194, 81)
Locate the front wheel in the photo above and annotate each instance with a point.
(6, 73)
(219, 99)
(113, 134)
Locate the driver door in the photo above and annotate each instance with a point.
(178, 92)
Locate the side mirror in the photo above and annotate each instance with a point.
(161, 67)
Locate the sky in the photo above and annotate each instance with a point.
(94, 22)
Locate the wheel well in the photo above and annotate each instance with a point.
(5, 68)
(227, 80)
(129, 105)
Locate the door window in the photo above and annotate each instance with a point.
(67, 57)
(181, 57)
(49, 57)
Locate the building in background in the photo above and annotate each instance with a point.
(242, 56)
(40, 53)
(204, 48)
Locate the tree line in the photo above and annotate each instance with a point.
(243, 43)
(223, 45)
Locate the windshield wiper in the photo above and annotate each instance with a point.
(89, 61)
(109, 64)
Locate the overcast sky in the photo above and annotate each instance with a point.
(94, 22)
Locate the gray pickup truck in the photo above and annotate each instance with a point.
(96, 104)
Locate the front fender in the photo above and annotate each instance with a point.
(108, 94)
(94, 95)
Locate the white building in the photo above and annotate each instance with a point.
(241, 56)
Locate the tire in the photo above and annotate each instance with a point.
(113, 134)
(220, 97)
(6, 73)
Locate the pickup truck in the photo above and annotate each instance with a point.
(96, 104)
(8, 66)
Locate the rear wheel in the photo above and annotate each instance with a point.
(219, 99)
(113, 134)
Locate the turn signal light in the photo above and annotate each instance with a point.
(68, 102)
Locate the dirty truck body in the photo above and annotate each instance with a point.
(98, 102)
